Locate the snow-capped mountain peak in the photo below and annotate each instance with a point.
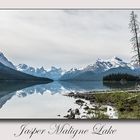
(5, 61)
(116, 62)
(116, 58)
(22, 66)
(53, 73)
(54, 68)
(102, 65)
(73, 69)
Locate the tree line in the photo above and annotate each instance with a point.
(120, 77)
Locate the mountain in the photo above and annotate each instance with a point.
(104, 65)
(5, 61)
(71, 74)
(7, 73)
(99, 69)
(54, 73)
(98, 76)
(26, 69)
(91, 72)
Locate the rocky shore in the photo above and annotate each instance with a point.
(105, 105)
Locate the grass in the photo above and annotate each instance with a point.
(127, 103)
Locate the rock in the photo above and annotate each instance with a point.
(79, 102)
(71, 94)
(77, 112)
(84, 117)
(67, 116)
(92, 101)
(121, 109)
(86, 108)
(69, 110)
(87, 98)
(71, 114)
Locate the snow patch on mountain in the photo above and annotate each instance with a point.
(99, 68)
(53, 73)
(103, 65)
(91, 72)
(5, 61)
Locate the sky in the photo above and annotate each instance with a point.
(64, 38)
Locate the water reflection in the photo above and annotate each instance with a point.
(13, 93)
(84, 86)
(9, 89)
(60, 87)
(22, 89)
(122, 86)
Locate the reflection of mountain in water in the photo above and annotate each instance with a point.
(23, 89)
(9, 88)
(53, 88)
(62, 87)
(66, 87)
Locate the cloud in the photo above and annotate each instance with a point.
(65, 38)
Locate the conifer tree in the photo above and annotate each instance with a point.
(135, 40)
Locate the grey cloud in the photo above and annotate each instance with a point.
(64, 38)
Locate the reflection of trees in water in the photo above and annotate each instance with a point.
(63, 87)
(22, 89)
(122, 85)
(83, 85)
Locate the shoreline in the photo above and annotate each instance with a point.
(105, 105)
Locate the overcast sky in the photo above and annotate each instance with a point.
(64, 38)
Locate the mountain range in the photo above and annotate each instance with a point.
(101, 68)
(54, 73)
(9, 72)
(92, 72)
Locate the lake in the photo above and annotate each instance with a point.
(36, 101)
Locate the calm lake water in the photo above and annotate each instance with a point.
(28, 100)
